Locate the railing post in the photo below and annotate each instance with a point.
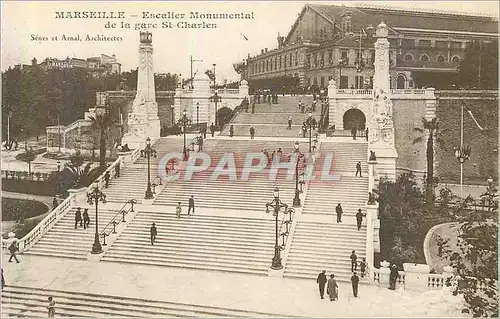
(123, 215)
(114, 226)
(104, 238)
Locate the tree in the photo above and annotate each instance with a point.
(432, 129)
(102, 122)
(475, 260)
(479, 68)
(401, 219)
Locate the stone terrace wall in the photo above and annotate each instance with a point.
(484, 144)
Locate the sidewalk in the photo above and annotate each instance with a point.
(245, 292)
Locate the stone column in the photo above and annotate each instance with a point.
(177, 104)
(381, 75)
(416, 276)
(332, 102)
(201, 95)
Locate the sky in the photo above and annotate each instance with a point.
(21, 21)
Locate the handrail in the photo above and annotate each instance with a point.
(122, 211)
(74, 124)
(46, 223)
(345, 133)
(100, 180)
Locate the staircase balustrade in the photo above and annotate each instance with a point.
(36, 233)
(286, 225)
(118, 218)
(345, 133)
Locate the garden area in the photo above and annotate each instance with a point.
(21, 216)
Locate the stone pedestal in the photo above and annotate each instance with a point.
(332, 102)
(416, 276)
(386, 161)
(243, 89)
(376, 235)
(384, 274)
(79, 196)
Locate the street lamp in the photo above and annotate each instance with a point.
(277, 205)
(296, 199)
(148, 152)
(309, 122)
(342, 63)
(172, 107)
(216, 98)
(463, 152)
(58, 177)
(184, 122)
(96, 196)
(197, 114)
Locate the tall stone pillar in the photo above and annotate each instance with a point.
(332, 102)
(143, 121)
(201, 98)
(243, 89)
(381, 126)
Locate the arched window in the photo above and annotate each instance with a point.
(424, 58)
(440, 58)
(401, 81)
(455, 59)
(408, 57)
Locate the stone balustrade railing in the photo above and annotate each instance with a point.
(226, 91)
(395, 93)
(367, 92)
(47, 223)
(408, 91)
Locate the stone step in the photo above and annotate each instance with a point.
(21, 301)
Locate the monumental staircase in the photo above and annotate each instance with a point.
(272, 120)
(20, 301)
(63, 240)
(321, 243)
(217, 243)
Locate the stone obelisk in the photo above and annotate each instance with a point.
(381, 127)
(143, 121)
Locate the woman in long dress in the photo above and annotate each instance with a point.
(332, 287)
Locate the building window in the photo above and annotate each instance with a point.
(344, 54)
(344, 82)
(456, 45)
(315, 59)
(330, 56)
(322, 81)
(290, 62)
(440, 44)
(358, 84)
(308, 81)
(440, 58)
(296, 58)
(455, 59)
(401, 81)
(408, 57)
(315, 81)
(308, 61)
(424, 43)
(424, 58)
(408, 43)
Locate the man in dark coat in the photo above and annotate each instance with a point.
(231, 131)
(355, 282)
(393, 276)
(212, 129)
(289, 123)
(252, 133)
(354, 261)
(353, 132)
(339, 212)
(153, 232)
(13, 248)
(321, 280)
(191, 204)
(86, 218)
(359, 218)
(358, 169)
(253, 106)
(78, 217)
(106, 178)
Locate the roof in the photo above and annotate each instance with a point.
(432, 20)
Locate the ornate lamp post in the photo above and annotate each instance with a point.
(309, 123)
(277, 205)
(58, 189)
(296, 199)
(216, 98)
(172, 107)
(184, 122)
(95, 196)
(462, 154)
(148, 152)
(197, 115)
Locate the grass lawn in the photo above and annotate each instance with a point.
(19, 209)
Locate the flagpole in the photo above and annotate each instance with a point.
(461, 149)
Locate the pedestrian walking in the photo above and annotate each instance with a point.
(339, 212)
(300, 105)
(3, 280)
(332, 288)
(354, 262)
(191, 204)
(86, 218)
(304, 130)
(353, 132)
(200, 143)
(252, 133)
(78, 217)
(178, 210)
(117, 170)
(212, 129)
(393, 276)
(13, 248)
(362, 267)
(253, 106)
(359, 218)
(51, 307)
(289, 122)
(153, 232)
(231, 131)
(55, 203)
(366, 134)
(321, 281)
(355, 282)
(204, 131)
(358, 169)
(106, 178)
